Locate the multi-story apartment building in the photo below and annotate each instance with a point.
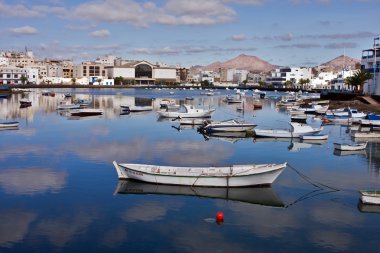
(89, 69)
(371, 62)
(182, 74)
(282, 75)
(16, 75)
(20, 59)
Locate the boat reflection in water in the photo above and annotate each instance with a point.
(349, 152)
(253, 195)
(231, 137)
(368, 208)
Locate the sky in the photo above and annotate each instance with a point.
(191, 32)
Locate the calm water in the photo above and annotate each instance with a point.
(59, 191)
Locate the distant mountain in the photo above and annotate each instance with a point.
(340, 62)
(243, 62)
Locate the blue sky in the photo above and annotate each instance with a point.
(191, 32)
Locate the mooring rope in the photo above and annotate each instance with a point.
(308, 179)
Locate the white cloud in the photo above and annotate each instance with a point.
(100, 33)
(24, 30)
(239, 37)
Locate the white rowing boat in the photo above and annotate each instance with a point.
(231, 125)
(297, 129)
(228, 176)
(314, 137)
(350, 147)
(136, 108)
(370, 197)
(190, 112)
(9, 124)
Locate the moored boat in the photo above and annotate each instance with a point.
(9, 124)
(190, 112)
(231, 125)
(25, 102)
(228, 176)
(135, 108)
(350, 147)
(297, 129)
(370, 197)
(314, 137)
(86, 112)
(365, 134)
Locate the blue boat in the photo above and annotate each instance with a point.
(372, 116)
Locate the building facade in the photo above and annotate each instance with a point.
(370, 62)
(143, 73)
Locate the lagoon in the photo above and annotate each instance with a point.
(59, 191)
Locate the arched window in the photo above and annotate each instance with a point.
(143, 70)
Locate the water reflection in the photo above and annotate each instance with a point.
(32, 181)
(253, 195)
(14, 226)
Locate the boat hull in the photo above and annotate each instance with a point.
(346, 147)
(206, 114)
(209, 177)
(370, 197)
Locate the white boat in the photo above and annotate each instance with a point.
(86, 112)
(25, 102)
(253, 195)
(370, 197)
(228, 176)
(66, 105)
(348, 112)
(190, 112)
(136, 108)
(9, 124)
(314, 137)
(365, 134)
(337, 119)
(298, 118)
(297, 129)
(231, 99)
(369, 122)
(191, 121)
(231, 125)
(350, 147)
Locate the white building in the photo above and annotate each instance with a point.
(4, 61)
(143, 73)
(282, 75)
(371, 63)
(207, 75)
(107, 60)
(339, 83)
(322, 81)
(14, 75)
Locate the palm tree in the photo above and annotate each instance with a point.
(23, 79)
(73, 80)
(358, 79)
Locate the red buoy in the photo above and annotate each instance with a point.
(219, 216)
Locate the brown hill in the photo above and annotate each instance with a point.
(243, 62)
(340, 62)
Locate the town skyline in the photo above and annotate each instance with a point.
(286, 33)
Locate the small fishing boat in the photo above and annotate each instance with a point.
(372, 116)
(370, 197)
(350, 147)
(66, 105)
(136, 108)
(365, 134)
(9, 124)
(228, 176)
(314, 137)
(297, 129)
(25, 102)
(231, 125)
(82, 102)
(370, 122)
(190, 112)
(191, 121)
(86, 112)
(301, 118)
(233, 100)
